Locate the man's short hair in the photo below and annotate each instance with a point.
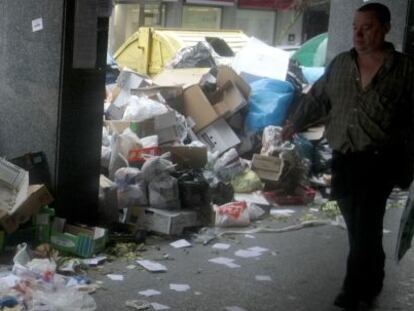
(381, 10)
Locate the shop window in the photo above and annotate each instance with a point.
(257, 23)
(126, 19)
(199, 17)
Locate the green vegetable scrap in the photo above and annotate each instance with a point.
(127, 251)
(308, 217)
(330, 209)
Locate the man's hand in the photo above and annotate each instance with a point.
(287, 131)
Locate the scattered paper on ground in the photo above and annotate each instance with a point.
(180, 244)
(180, 287)
(235, 308)
(283, 212)
(315, 210)
(152, 266)
(221, 246)
(115, 277)
(245, 253)
(138, 304)
(258, 249)
(249, 236)
(149, 292)
(131, 267)
(94, 261)
(263, 278)
(224, 261)
(158, 306)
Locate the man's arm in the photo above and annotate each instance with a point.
(313, 107)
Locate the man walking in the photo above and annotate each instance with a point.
(367, 98)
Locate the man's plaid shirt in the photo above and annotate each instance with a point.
(360, 119)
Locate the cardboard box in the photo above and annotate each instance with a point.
(38, 197)
(218, 136)
(135, 217)
(180, 77)
(198, 108)
(81, 241)
(229, 100)
(268, 168)
(169, 222)
(187, 156)
(226, 73)
(14, 184)
(164, 125)
(129, 79)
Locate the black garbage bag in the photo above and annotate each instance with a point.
(322, 158)
(222, 193)
(198, 56)
(194, 190)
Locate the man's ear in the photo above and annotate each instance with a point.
(387, 27)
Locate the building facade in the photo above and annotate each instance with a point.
(270, 21)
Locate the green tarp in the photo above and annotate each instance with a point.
(313, 52)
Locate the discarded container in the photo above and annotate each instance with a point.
(79, 240)
(149, 49)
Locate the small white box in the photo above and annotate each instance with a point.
(169, 222)
(218, 136)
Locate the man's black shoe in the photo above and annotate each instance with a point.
(346, 301)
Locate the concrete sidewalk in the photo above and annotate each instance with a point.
(305, 268)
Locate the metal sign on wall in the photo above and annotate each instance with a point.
(212, 2)
(266, 4)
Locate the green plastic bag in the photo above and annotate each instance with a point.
(246, 182)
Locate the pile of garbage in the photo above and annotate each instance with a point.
(35, 284)
(200, 141)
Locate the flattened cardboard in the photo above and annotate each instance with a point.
(180, 77)
(199, 108)
(38, 197)
(187, 156)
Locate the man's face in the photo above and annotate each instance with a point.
(368, 32)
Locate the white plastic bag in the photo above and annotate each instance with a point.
(142, 108)
(163, 192)
(62, 299)
(233, 214)
(255, 212)
(154, 167)
(106, 138)
(132, 188)
(105, 156)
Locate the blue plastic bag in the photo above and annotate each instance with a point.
(312, 74)
(268, 103)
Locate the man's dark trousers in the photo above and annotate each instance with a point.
(361, 183)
